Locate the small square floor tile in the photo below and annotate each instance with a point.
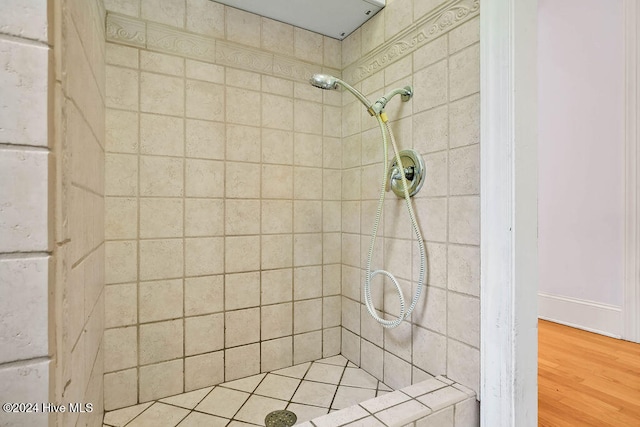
(348, 396)
(198, 419)
(187, 400)
(278, 387)
(306, 412)
(443, 397)
(223, 402)
(257, 408)
(359, 378)
(248, 384)
(338, 360)
(295, 371)
(159, 415)
(122, 416)
(323, 373)
(317, 394)
(383, 402)
(341, 417)
(403, 413)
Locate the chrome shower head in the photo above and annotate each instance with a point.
(324, 81)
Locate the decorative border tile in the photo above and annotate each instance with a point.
(293, 69)
(433, 25)
(126, 30)
(243, 57)
(160, 37)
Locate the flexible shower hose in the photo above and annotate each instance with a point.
(404, 312)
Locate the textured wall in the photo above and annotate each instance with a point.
(432, 45)
(79, 138)
(223, 198)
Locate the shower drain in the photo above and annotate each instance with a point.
(280, 418)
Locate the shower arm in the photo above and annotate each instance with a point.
(378, 107)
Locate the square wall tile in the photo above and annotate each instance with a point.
(277, 251)
(242, 327)
(276, 286)
(160, 300)
(161, 176)
(276, 354)
(204, 334)
(205, 139)
(307, 315)
(242, 217)
(242, 181)
(121, 175)
(121, 218)
(120, 389)
(307, 347)
(276, 321)
(120, 348)
(242, 290)
(277, 146)
(204, 100)
(204, 256)
(161, 341)
(121, 261)
(242, 254)
(241, 361)
(243, 143)
(203, 295)
(161, 94)
(161, 135)
(161, 259)
(307, 249)
(161, 217)
(206, 18)
(120, 305)
(161, 380)
(277, 182)
(276, 216)
(307, 282)
(121, 134)
(203, 370)
(204, 217)
(204, 178)
(243, 106)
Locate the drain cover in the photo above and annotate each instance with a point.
(280, 419)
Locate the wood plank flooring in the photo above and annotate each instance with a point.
(586, 379)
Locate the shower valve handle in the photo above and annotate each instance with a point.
(394, 174)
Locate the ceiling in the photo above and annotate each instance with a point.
(333, 18)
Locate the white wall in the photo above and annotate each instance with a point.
(581, 161)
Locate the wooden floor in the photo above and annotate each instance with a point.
(586, 379)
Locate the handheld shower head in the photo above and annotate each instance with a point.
(324, 81)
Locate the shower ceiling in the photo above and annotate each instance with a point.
(333, 18)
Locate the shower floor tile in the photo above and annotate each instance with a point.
(309, 390)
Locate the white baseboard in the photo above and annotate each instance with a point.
(591, 316)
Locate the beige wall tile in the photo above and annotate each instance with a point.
(121, 131)
(242, 180)
(243, 27)
(203, 370)
(164, 11)
(331, 342)
(161, 380)
(277, 146)
(431, 130)
(243, 143)
(120, 305)
(464, 72)
(203, 295)
(161, 218)
(307, 183)
(160, 300)
(464, 35)
(351, 48)
(161, 135)
(277, 36)
(242, 254)
(276, 286)
(204, 256)
(307, 347)
(432, 82)
(397, 372)
(276, 354)
(462, 364)
(307, 315)
(121, 261)
(205, 17)
(240, 362)
(243, 79)
(159, 342)
(120, 348)
(464, 170)
(242, 217)
(243, 106)
(331, 311)
(204, 71)
(307, 117)
(161, 94)
(307, 216)
(204, 334)
(307, 249)
(463, 267)
(277, 216)
(204, 100)
(242, 290)
(277, 112)
(161, 259)
(121, 88)
(276, 321)
(463, 318)
(464, 220)
(123, 56)
(204, 217)
(332, 53)
(276, 251)
(464, 121)
(432, 214)
(120, 389)
(308, 45)
(205, 140)
(204, 178)
(161, 63)
(307, 282)
(277, 182)
(161, 176)
(121, 175)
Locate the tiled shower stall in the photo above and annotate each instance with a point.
(232, 202)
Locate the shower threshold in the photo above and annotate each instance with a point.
(330, 392)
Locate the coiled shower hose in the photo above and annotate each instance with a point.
(404, 312)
